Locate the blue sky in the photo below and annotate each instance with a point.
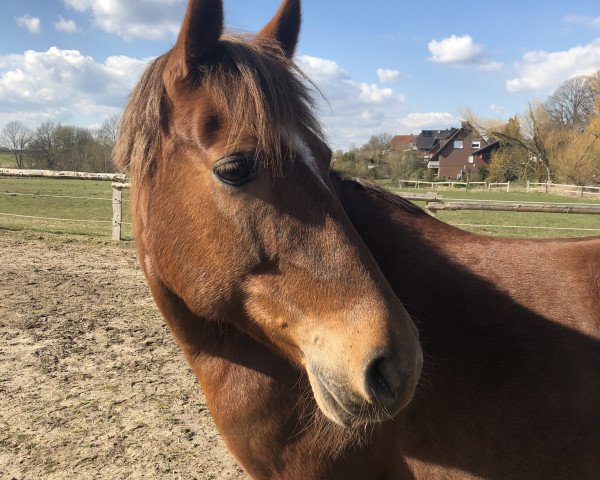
(384, 66)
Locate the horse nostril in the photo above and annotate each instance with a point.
(383, 380)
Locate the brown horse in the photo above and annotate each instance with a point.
(240, 234)
(510, 330)
(280, 308)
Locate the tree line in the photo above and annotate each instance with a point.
(53, 146)
(375, 160)
(557, 140)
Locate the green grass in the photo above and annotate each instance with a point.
(7, 161)
(93, 207)
(556, 221)
(501, 196)
(96, 206)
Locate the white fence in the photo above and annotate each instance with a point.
(117, 205)
(563, 189)
(434, 206)
(117, 200)
(434, 202)
(13, 172)
(550, 188)
(436, 185)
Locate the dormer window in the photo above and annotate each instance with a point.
(458, 144)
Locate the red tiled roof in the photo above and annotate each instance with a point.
(402, 141)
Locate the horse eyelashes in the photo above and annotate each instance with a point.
(236, 171)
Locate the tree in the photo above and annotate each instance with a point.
(540, 140)
(350, 164)
(527, 144)
(374, 154)
(378, 143)
(109, 131)
(41, 148)
(106, 137)
(579, 161)
(406, 165)
(572, 104)
(15, 137)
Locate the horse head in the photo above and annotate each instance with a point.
(235, 216)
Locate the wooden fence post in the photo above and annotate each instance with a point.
(117, 203)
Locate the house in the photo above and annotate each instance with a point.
(484, 154)
(455, 153)
(403, 142)
(430, 140)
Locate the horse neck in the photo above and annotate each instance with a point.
(434, 265)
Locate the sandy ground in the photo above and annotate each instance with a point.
(92, 384)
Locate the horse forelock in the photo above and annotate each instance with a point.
(139, 135)
(250, 81)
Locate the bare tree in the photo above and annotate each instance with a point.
(108, 132)
(41, 148)
(572, 104)
(15, 137)
(532, 136)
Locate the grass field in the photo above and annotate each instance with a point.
(89, 210)
(7, 161)
(79, 207)
(516, 224)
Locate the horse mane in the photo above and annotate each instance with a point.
(384, 194)
(251, 81)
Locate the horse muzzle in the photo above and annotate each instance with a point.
(386, 387)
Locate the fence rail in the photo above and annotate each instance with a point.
(116, 200)
(563, 188)
(548, 187)
(112, 177)
(434, 185)
(434, 201)
(434, 207)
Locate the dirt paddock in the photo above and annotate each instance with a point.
(92, 384)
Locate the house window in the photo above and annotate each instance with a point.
(476, 144)
(458, 144)
(471, 159)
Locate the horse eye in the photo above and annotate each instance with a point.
(235, 171)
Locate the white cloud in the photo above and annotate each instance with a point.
(148, 19)
(68, 86)
(414, 122)
(321, 68)
(544, 71)
(33, 24)
(585, 20)
(373, 94)
(65, 26)
(496, 109)
(356, 110)
(64, 85)
(461, 51)
(353, 110)
(388, 76)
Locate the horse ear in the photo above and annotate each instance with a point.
(201, 29)
(285, 26)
